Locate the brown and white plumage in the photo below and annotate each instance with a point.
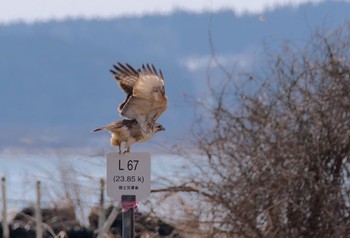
(146, 99)
(128, 131)
(144, 103)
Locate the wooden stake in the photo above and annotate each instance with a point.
(5, 228)
(101, 218)
(38, 216)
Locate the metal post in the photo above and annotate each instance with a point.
(38, 216)
(5, 228)
(128, 218)
(101, 218)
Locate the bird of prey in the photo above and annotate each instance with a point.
(144, 103)
(128, 131)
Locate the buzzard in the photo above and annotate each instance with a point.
(144, 103)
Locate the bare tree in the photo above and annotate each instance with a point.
(273, 161)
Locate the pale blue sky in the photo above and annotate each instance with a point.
(43, 10)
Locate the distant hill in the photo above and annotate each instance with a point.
(54, 81)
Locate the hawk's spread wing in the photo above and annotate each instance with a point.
(146, 99)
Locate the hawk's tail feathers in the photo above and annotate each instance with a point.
(98, 129)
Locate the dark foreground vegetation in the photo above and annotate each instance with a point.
(62, 222)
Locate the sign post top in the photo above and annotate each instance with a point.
(130, 155)
(128, 174)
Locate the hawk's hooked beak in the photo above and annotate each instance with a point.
(160, 128)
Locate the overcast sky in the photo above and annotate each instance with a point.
(42, 10)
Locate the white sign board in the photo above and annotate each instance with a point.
(128, 174)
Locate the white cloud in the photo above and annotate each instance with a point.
(201, 62)
(42, 10)
(195, 63)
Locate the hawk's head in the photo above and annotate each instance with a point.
(158, 127)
